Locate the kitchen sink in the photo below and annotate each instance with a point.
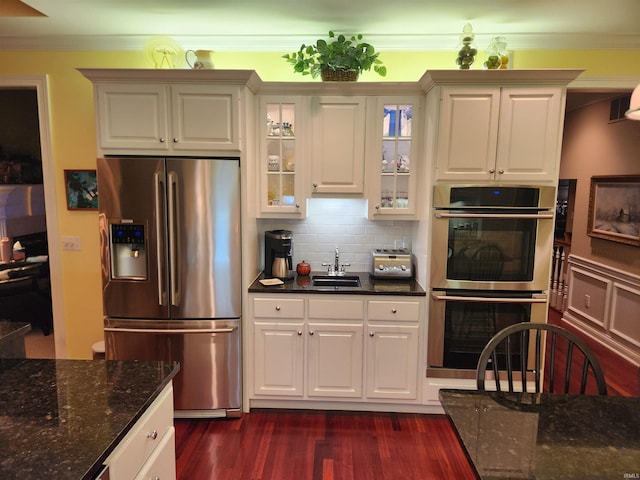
(335, 281)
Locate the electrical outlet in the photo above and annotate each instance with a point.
(587, 301)
(71, 243)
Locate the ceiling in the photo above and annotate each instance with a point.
(282, 25)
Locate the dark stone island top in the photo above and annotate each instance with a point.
(368, 286)
(547, 436)
(60, 419)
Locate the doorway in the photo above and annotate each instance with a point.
(34, 91)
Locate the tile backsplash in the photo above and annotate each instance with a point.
(341, 223)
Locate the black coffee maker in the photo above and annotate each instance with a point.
(278, 261)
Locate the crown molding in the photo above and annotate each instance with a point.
(285, 43)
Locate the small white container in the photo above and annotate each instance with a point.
(5, 250)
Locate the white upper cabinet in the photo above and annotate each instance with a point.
(496, 126)
(393, 157)
(204, 116)
(338, 140)
(165, 118)
(172, 112)
(280, 160)
(499, 134)
(529, 133)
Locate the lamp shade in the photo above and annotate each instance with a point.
(634, 105)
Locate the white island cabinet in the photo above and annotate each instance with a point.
(148, 450)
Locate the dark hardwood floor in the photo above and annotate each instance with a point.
(622, 377)
(320, 445)
(328, 445)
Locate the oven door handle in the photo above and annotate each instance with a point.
(514, 216)
(536, 298)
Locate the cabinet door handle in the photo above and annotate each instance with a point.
(377, 207)
(312, 332)
(162, 140)
(175, 140)
(501, 171)
(152, 435)
(299, 332)
(492, 170)
(372, 334)
(297, 205)
(394, 310)
(277, 308)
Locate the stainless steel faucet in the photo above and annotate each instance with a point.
(336, 268)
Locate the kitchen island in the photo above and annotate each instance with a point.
(12, 339)
(63, 418)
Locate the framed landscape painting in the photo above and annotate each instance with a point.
(614, 209)
(82, 189)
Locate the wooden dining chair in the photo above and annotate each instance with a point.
(510, 350)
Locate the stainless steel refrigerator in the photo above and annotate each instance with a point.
(171, 274)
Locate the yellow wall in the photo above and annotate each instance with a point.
(74, 146)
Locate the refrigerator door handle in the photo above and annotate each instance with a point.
(179, 331)
(174, 238)
(160, 247)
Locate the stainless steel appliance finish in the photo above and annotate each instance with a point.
(278, 254)
(490, 268)
(171, 272)
(208, 352)
(492, 237)
(462, 322)
(392, 263)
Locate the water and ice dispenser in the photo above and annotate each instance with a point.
(128, 252)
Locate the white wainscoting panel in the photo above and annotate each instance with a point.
(604, 303)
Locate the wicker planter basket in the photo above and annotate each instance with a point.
(338, 75)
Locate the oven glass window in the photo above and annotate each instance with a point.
(470, 325)
(491, 249)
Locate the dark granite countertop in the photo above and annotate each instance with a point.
(547, 436)
(60, 419)
(11, 330)
(368, 286)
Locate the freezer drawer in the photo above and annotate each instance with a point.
(209, 381)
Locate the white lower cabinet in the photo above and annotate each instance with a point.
(335, 345)
(161, 465)
(278, 358)
(393, 349)
(313, 348)
(148, 450)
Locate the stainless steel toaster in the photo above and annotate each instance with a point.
(392, 263)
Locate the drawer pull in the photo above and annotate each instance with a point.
(312, 332)
(299, 332)
(372, 334)
(277, 308)
(394, 310)
(152, 435)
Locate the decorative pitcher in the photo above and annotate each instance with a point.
(202, 59)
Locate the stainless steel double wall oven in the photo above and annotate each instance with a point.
(490, 266)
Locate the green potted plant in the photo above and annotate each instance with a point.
(341, 58)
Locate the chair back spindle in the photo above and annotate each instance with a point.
(506, 357)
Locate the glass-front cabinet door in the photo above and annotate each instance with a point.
(280, 183)
(394, 157)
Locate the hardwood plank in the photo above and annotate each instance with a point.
(622, 377)
(320, 445)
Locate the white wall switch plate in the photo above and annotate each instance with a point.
(71, 243)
